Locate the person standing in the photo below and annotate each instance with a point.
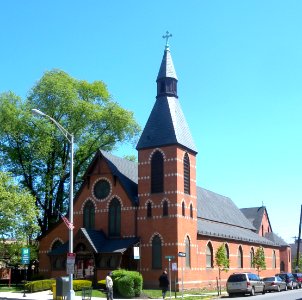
(164, 283)
(109, 286)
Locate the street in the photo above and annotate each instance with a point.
(287, 295)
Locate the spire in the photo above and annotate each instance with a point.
(166, 78)
(166, 124)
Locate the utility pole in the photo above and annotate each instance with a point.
(298, 246)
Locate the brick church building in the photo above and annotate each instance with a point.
(155, 205)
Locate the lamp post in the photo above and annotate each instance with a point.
(69, 137)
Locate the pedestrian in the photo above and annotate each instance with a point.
(109, 286)
(164, 283)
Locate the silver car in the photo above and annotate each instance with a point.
(274, 283)
(244, 283)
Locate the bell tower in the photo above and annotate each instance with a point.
(167, 214)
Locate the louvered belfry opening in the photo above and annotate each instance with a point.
(187, 174)
(157, 173)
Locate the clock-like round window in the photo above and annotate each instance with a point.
(101, 189)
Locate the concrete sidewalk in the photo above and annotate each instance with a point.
(45, 295)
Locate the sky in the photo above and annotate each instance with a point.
(239, 69)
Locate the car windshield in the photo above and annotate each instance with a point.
(237, 278)
(269, 279)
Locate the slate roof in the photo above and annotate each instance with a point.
(255, 215)
(276, 239)
(167, 67)
(100, 243)
(166, 126)
(218, 208)
(126, 171)
(226, 231)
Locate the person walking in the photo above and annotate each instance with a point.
(109, 286)
(164, 283)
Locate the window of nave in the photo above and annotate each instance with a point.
(114, 218)
(252, 254)
(240, 258)
(89, 215)
(209, 255)
(191, 211)
(183, 209)
(188, 252)
(156, 252)
(274, 264)
(165, 208)
(186, 166)
(157, 172)
(149, 210)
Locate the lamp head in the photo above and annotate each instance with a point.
(37, 112)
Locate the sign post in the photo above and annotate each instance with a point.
(182, 254)
(25, 260)
(169, 257)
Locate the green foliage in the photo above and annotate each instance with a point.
(259, 259)
(221, 259)
(35, 151)
(18, 215)
(127, 283)
(294, 264)
(79, 284)
(39, 285)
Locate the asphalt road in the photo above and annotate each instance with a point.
(286, 295)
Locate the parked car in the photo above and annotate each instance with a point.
(298, 277)
(289, 279)
(274, 283)
(244, 283)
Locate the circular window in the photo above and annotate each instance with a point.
(101, 189)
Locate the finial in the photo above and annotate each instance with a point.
(167, 36)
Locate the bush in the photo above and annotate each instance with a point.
(39, 285)
(81, 283)
(127, 283)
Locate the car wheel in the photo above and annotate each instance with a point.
(253, 291)
(231, 295)
(263, 291)
(278, 289)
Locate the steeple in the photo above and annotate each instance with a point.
(166, 78)
(166, 124)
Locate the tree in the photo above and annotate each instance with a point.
(18, 215)
(259, 260)
(36, 152)
(222, 262)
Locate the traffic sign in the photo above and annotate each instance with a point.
(169, 256)
(25, 256)
(181, 254)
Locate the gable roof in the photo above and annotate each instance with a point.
(218, 208)
(255, 215)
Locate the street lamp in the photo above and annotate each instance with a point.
(69, 137)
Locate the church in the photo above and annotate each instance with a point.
(150, 215)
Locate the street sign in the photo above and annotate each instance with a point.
(174, 266)
(181, 254)
(70, 263)
(25, 256)
(169, 256)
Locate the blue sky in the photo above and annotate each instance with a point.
(239, 65)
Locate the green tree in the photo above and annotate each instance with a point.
(36, 152)
(259, 260)
(222, 262)
(18, 219)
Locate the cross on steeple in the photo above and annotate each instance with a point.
(167, 36)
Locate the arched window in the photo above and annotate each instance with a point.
(227, 251)
(191, 211)
(56, 244)
(274, 260)
(114, 218)
(149, 210)
(183, 208)
(165, 208)
(186, 174)
(240, 258)
(282, 266)
(157, 173)
(188, 253)
(252, 265)
(88, 215)
(156, 253)
(209, 256)
(262, 229)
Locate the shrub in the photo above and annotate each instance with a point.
(39, 285)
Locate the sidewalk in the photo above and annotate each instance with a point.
(45, 295)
